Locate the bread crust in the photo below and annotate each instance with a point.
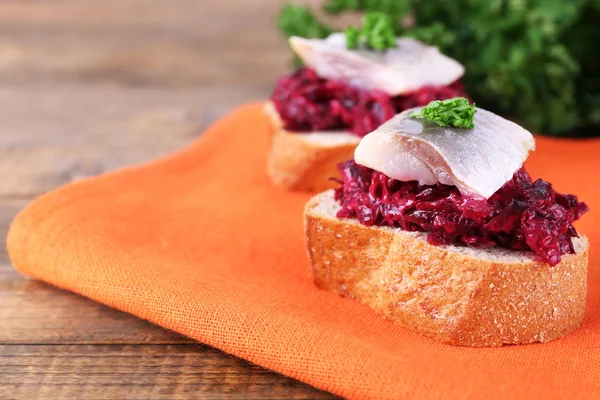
(300, 164)
(453, 294)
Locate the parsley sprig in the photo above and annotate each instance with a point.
(377, 33)
(456, 112)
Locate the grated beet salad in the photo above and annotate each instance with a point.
(521, 215)
(308, 103)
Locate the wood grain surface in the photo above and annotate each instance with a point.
(88, 87)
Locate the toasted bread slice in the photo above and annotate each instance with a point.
(306, 161)
(457, 295)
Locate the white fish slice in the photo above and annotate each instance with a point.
(396, 71)
(477, 161)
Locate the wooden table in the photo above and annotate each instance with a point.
(87, 87)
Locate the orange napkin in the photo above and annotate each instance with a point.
(201, 243)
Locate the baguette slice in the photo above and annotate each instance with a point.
(306, 161)
(456, 295)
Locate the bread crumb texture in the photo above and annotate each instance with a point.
(306, 161)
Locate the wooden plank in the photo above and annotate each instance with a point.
(139, 372)
(8, 210)
(175, 43)
(74, 130)
(79, 114)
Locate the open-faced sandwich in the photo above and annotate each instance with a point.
(437, 226)
(350, 85)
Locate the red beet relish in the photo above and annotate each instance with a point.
(521, 215)
(308, 103)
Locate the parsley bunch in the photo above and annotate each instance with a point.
(456, 112)
(377, 33)
(393, 8)
(536, 61)
(297, 20)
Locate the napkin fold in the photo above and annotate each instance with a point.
(201, 243)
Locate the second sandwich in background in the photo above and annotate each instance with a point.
(348, 88)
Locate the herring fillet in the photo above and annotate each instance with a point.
(407, 68)
(477, 161)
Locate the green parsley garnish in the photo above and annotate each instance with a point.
(352, 37)
(456, 112)
(377, 33)
(297, 20)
